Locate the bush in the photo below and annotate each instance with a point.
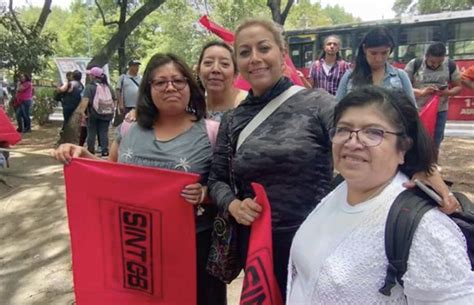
(43, 105)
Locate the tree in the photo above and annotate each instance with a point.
(430, 6)
(24, 47)
(123, 31)
(277, 15)
(338, 15)
(306, 15)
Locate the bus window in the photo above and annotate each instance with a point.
(461, 40)
(307, 54)
(413, 41)
(295, 55)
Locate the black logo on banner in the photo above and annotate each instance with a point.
(136, 237)
(256, 287)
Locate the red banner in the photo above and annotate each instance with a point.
(8, 132)
(428, 115)
(228, 36)
(132, 234)
(260, 285)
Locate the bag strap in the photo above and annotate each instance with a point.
(417, 65)
(134, 81)
(266, 112)
(451, 68)
(403, 218)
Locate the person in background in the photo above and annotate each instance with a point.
(97, 124)
(338, 254)
(217, 71)
(436, 75)
(467, 77)
(3, 95)
(372, 66)
(327, 71)
(23, 102)
(171, 133)
(71, 95)
(127, 87)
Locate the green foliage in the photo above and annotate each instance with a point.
(306, 15)
(28, 51)
(430, 6)
(338, 15)
(43, 105)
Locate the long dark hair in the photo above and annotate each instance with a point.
(377, 37)
(400, 112)
(147, 113)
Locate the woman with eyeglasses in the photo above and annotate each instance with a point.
(338, 253)
(372, 66)
(171, 133)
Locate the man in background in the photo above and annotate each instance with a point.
(127, 87)
(435, 74)
(327, 71)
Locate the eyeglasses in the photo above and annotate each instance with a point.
(161, 85)
(369, 137)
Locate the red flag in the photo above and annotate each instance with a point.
(260, 284)
(132, 234)
(8, 132)
(428, 114)
(228, 37)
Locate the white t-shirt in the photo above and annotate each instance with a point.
(338, 256)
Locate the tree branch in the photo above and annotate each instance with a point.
(286, 11)
(106, 23)
(15, 19)
(43, 17)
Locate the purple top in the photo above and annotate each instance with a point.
(330, 81)
(26, 93)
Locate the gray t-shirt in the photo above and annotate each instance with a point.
(189, 152)
(129, 89)
(425, 77)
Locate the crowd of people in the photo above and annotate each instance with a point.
(363, 121)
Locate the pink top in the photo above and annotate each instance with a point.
(27, 92)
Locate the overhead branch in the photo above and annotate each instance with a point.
(106, 23)
(43, 17)
(15, 19)
(286, 11)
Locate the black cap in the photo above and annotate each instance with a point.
(134, 62)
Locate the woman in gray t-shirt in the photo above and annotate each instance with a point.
(171, 133)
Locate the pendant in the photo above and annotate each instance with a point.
(199, 210)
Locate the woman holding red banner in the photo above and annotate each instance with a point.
(171, 133)
(217, 71)
(278, 137)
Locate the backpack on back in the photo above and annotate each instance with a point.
(103, 102)
(403, 218)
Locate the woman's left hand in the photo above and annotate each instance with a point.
(194, 193)
(450, 204)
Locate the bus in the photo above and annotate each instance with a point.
(412, 35)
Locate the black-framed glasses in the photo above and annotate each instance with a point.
(161, 84)
(369, 136)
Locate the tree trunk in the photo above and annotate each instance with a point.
(277, 15)
(122, 60)
(112, 45)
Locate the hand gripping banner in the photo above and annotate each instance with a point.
(429, 113)
(8, 132)
(260, 285)
(132, 234)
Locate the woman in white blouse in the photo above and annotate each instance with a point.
(338, 254)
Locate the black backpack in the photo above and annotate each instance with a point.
(403, 218)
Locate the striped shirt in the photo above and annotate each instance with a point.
(329, 81)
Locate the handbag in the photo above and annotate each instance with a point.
(224, 261)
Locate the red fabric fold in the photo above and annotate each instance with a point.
(8, 133)
(260, 284)
(428, 115)
(132, 234)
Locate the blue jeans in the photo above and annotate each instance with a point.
(441, 119)
(23, 116)
(96, 126)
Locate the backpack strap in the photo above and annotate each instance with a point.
(417, 65)
(451, 67)
(403, 218)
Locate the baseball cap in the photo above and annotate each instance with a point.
(134, 62)
(95, 71)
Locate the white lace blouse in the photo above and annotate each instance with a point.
(338, 256)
